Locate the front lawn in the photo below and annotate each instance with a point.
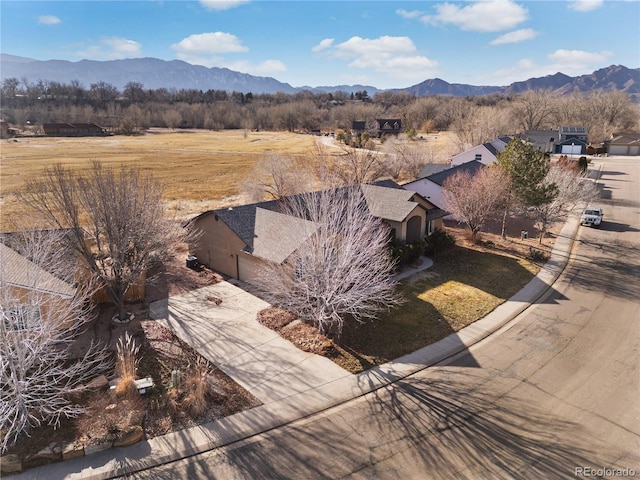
(464, 285)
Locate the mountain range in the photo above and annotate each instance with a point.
(154, 73)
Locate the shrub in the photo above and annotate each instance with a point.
(438, 242)
(196, 388)
(406, 254)
(583, 164)
(127, 364)
(536, 255)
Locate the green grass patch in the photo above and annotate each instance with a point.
(463, 286)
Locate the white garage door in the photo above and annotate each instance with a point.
(571, 149)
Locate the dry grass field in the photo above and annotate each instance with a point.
(200, 170)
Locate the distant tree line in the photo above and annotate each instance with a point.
(475, 119)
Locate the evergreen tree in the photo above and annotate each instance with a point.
(527, 169)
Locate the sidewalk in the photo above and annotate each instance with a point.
(299, 402)
(256, 357)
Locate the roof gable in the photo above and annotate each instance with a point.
(278, 235)
(388, 203)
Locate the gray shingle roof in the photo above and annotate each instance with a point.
(472, 167)
(388, 203)
(432, 168)
(19, 271)
(278, 235)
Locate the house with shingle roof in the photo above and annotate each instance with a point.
(236, 241)
(623, 144)
(431, 187)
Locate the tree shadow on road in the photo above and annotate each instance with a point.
(464, 429)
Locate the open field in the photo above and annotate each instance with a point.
(200, 170)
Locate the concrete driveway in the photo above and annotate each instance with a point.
(259, 359)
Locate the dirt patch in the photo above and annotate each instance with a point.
(306, 337)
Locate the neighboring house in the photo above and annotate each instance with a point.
(566, 140)
(578, 134)
(236, 241)
(487, 153)
(431, 187)
(623, 144)
(388, 126)
(73, 129)
(541, 140)
(571, 146)
(22, 282)
(358, 127)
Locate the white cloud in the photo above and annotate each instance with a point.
(112, 48)
(392, 56)
(409, 13)
(479, 16)
(585, 5)
(323, 45)
(221, 4)
(208, 49)
(207, 45)
(48, 20)
(579, 58)
(516, 36)
(384, 46)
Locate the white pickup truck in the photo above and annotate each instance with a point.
(592, 216)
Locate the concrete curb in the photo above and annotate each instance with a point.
(157, 451)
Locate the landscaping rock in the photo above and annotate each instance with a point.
(72, 450)
(10, 464)
(99, 447)
(47, 453)
(136, 417)
(128, 437)
(98, 382)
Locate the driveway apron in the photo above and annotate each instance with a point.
(228, 334)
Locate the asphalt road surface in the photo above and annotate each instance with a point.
(554, 394)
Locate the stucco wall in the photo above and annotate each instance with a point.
(487, 158)
(217, 246)
(249, 267)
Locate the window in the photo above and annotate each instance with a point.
(430, 227)
(21, 317)
(478, 157)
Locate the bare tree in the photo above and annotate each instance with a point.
(342, 270)
(476, 199)
(40, 317)
(357, 165)
(533, 109)
(277, 177)
(476, 125)
(573, 191)
(404, 159)
(116, 220)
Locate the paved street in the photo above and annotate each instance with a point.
(554, 391)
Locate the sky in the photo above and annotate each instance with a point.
(385, 44)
